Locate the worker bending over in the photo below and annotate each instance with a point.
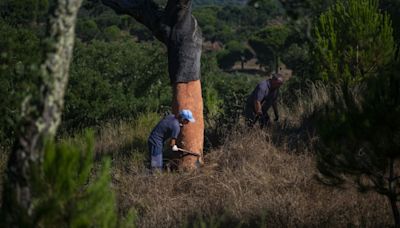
(169, 127)
(261, 99)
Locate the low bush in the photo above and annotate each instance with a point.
(66, 192)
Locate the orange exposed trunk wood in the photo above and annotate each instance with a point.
(188, 96)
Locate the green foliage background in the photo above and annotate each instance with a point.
(115, 80)
(118, 71)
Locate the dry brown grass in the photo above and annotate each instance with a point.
(247, 181)
(251, 181)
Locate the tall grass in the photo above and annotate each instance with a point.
(126, 137)
(248, 181)
(126, 141)
(255, 179)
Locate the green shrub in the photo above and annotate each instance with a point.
(87, 30)
(17, 78)
(354, 40)
(69, 190)
(268, 43)
(116, 80)
(297, 58)
(24, 12)
(360, 126)
(234, 51)
(112, 33)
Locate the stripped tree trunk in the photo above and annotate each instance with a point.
(188, 96)
(176, 27)
(40, 116)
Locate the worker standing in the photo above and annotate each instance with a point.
(169, 127)
(261, 99)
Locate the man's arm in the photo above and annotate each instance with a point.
(275, 108)
(175, 132)
(257, 107)
(261, 91)
(173, 142)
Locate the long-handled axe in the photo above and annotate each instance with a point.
(186, 152)
(189, 152)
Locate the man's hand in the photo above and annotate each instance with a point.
(259, 113)
(175, 148)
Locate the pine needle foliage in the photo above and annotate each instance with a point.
(359, 127)
(354, 40)
(67, 193)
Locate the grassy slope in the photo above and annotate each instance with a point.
(249, 180)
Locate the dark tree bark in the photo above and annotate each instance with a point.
(41, 116)
(176, 27)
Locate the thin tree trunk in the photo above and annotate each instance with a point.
(176, 27)
(41, 116)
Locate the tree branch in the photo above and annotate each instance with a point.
(175, 27)
(145, 12)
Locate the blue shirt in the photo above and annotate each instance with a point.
(167, 128)
(264, 94)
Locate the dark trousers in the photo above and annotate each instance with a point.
(252, 118)
(156, 156)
